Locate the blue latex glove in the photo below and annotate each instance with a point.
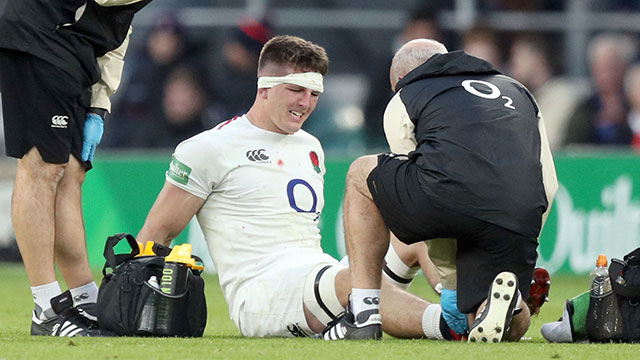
(456, 320)
(93, 129)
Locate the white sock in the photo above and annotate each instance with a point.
(431, 322)
(364, 299)
(42, 295)
(85, 294)
(396, 271)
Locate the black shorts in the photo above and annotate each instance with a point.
(484, 249)
(42, 106)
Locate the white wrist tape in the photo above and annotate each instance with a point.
(310, 80)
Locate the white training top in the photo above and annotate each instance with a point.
(264, 195)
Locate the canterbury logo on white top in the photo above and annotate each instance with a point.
(59, 121)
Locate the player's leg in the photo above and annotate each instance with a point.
(325, 296)
(405, 315)
(295, 296)
(402, 311)
(402, 262)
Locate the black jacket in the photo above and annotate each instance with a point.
(48, 30)
(478, 142)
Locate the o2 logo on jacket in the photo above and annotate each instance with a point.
(298, 205)
(494, 94)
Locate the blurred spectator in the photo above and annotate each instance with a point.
(481, 41)
(234, 77)
(529, 63)
(167, 48)
(602, 118)
(632, 91)
(422, 22)
(186, 110)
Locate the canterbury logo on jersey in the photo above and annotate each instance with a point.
(59, 121)
(257, 155)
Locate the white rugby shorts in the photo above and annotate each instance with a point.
(272, 304)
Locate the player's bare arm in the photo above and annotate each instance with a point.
(170, 214)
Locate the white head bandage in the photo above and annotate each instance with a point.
(310, 80)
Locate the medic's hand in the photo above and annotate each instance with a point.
(93, 129)
(456, 320)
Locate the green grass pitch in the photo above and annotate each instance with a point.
(222, 340)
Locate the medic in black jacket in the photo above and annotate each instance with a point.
(471, 174)
(477, 137)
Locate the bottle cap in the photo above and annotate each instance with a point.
(180, 253)
(602, 260)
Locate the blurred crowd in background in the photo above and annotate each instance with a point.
(184, 75)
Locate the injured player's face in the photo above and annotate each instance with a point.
(290, 106)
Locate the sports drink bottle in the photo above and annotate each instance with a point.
(603, 317)
(173, 282)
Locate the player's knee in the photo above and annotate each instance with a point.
(320, 295)
(396, 270)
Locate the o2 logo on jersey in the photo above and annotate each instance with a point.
(493, 94)
(302, 185)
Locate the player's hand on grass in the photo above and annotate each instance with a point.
(456, 320)
(93, 129)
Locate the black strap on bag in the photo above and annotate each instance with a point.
(113, 260)
(125, 292)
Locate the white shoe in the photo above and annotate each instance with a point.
(493, 323)
(559, 331)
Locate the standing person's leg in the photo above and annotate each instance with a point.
(70, 245)
(33, 214)
(28, 104)
(42, 110)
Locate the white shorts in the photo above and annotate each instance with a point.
(272, 304)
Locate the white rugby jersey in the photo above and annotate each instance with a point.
(264, 195)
